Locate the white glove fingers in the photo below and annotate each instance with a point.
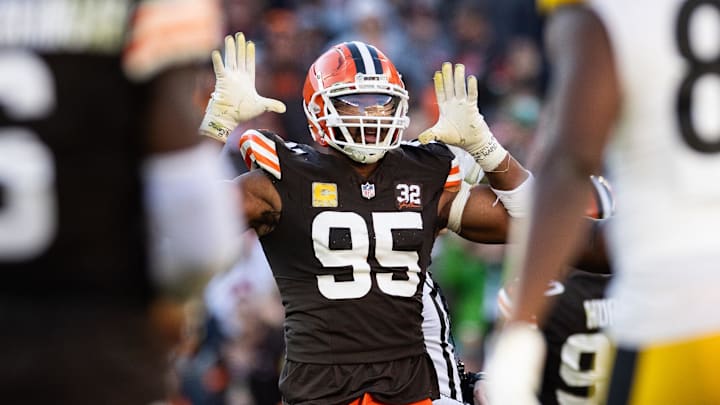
(250, 60)
(230, 53)
(439, 88)
(472, 88)
(241, 50)
(460, 91)
(448, 80)
(273, 105)
(217, 62)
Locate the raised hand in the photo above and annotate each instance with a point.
(460, 122)
(235, 99)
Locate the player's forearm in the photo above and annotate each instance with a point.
(551, 238)
(483, 220)
(508, 175)
(475, 213)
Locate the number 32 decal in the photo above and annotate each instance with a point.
(357, 255)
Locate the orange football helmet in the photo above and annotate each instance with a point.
(356, 102)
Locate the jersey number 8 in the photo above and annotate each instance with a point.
(700, 70)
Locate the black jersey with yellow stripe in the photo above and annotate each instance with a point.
(349, 254)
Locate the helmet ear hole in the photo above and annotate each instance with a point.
(314, 107)
(317, 135)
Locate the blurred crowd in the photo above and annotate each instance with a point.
(498, 41)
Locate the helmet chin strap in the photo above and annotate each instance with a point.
(364, 157)
(356, 152)
(361, 155)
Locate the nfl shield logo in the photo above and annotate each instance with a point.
(368, 190)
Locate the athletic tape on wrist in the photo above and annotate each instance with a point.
(517, 200)
(215, 128)
(475, 174)
(457, 208)
(489, 155)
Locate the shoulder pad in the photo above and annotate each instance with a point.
(443, 151)
(437, 148)
(259, 150)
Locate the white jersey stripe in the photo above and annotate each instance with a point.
(436, 330)
(366, 57)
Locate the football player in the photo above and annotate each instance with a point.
(348, 225)
(650, 99)
(97, 136)
(576, 365)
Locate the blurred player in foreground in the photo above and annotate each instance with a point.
(235, 351)
(97, 139)
(639, 79)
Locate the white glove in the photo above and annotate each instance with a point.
(235, 99)
(515, 366)
(460, 122)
